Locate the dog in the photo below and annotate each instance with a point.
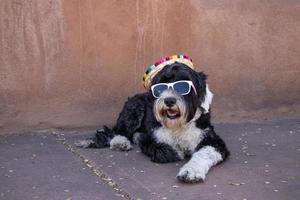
(169, 122)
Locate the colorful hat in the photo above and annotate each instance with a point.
(159, 65)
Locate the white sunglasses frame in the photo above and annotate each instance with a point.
(171, 85)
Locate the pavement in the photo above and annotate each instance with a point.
(264, 164)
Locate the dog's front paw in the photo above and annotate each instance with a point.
(163, 153)
(120, 143)
(191, 174)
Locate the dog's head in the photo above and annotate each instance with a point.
(181, 95)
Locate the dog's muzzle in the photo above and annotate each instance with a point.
(170, 109)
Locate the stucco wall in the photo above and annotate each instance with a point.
(74, 63)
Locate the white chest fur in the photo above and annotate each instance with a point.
(182, 140)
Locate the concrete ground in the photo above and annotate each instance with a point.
(264, 164)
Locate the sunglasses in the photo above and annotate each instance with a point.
(181, 87)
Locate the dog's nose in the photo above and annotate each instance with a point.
(170, 101)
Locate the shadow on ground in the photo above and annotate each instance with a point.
(264, 164)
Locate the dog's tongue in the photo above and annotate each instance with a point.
(172, 113)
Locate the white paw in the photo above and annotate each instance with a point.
(191, 174)
(120, 143)
(83, 143)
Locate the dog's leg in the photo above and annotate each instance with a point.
(100, 140)
(197, 167)
(158, 152)
(129, 121)
(120, 136)
(212, 151)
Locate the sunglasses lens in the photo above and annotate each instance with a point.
(158, 89)
(182, 87)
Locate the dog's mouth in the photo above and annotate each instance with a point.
(172, 113)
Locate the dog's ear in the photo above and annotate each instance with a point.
(205, 96)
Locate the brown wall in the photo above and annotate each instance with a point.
(73, 63)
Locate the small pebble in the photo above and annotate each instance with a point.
(244, 147)
(66, 190)
(275, 190)
(111, 184)
(142, 171)
(245, 162)
(164, 198)
(266, 165)
(235, 184)
(89, 165)
(11, 171)
(267, 182)
(175, 186)
(215, 185)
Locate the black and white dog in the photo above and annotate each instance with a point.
(169, 123)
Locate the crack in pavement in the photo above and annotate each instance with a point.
(96, 170)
